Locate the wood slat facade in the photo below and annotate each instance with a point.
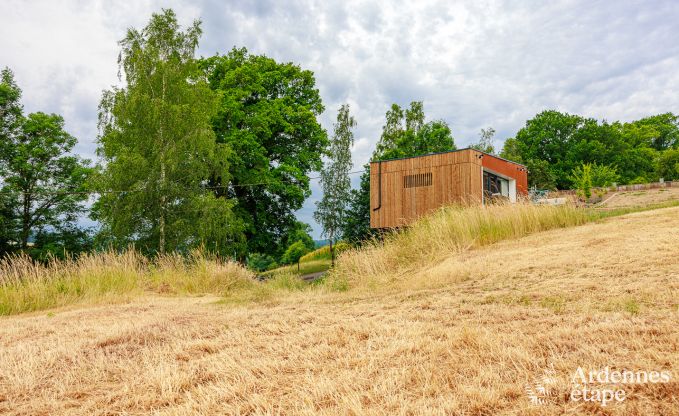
(403, 190)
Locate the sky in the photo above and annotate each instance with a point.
(474, 64)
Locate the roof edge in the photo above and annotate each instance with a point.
(449, 151)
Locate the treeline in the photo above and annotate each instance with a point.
(556, 145)
(217, 153)
(193, 152)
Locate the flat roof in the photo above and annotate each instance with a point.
(449, 151)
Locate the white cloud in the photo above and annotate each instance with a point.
(474, 64)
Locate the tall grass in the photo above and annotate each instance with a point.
(28, 286)
(448, 231)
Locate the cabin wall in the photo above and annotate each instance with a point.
(443, 179)
(455, 177)
(509, 169)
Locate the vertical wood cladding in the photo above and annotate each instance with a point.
(406, 189)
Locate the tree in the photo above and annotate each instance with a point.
(405, 134)
(582, 178)
(299, 232)
(668, 165)
(43, 186)
(557, 143)
(68, 240)
(294, 253)
(159, 148)
(665, 130)
(331, 209)
(357, 223)
(486, 139)
(267, 113)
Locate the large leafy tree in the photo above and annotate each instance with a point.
(332, 208)
(553, 144)
(159, 148)
(404, 134)
(668, 165)
(43, 184)
(665, 130)
(267, 113)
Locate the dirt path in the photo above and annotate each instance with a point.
(312, 276)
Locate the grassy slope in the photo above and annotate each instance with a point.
(305, 267)
(462, 333)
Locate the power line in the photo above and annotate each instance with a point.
(214, 187)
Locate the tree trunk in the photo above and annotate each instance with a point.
(25, 221)
(161, 225)
(297, 266)
(161, 222)
(332, 254)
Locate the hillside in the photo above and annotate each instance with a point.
(465, 335)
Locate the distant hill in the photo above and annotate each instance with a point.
(321, 243)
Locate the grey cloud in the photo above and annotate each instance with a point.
(473, 63)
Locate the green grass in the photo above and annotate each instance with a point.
(305, 267)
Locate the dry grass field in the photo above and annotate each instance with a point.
(464, 335)
(641, 198)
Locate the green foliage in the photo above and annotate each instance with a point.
(405, 134)
(294, 253)
(603, 176)
(267, 114)
(485, 144)
(61, 244)
(331, 209)
(589, 175)
(260, 262)
(668, 165)
(510, 151)
(582, 179)
(298, 232)
(158, 147)
(553, 144)
(357, 222)
(43, 186)
(665, 130)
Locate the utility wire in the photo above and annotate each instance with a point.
(242, 185)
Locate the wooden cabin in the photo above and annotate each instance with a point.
(402, 190)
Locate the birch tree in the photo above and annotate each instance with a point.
(158, 146)
(331, 209)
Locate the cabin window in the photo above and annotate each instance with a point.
(417, 180)
(495, 186)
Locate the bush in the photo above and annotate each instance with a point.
(294, 253)
(261, 262)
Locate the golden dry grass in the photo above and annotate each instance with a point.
(459, 336)
(112, 277)
(641, 198)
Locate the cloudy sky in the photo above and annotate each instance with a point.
(473, 63)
